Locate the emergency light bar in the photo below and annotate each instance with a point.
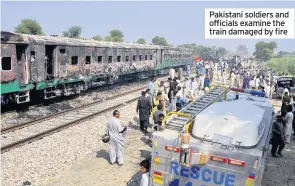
(236, 162)
(170, 148)
(248, 91)
(218, 158)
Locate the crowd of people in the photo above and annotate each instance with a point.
(162, 97)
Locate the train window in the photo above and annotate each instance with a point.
(74, 60)
(134, 58)
(110, 59)
(87, 59)
(33, 56)
(99, 59)
(6, 63)
(145, 57)
(62, 51)
(127, 58)
(118, 58)
(151, 57)
(139, 57)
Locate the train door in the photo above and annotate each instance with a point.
(22, 64)
(49, 61)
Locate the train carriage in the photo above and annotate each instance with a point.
(58, 66)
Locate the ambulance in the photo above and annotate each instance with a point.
(220, 139)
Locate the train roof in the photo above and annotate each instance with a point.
(10, 37)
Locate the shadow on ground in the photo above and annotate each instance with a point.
(103, 154)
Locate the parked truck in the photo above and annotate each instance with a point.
(220, 139)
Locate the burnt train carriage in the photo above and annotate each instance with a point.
(59, 66)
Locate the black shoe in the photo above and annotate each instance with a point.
(280, 154)
(274, 155)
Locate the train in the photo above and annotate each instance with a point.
(46, 67)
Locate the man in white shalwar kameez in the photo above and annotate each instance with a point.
(117, 135)
(172, 73)
(289, 120)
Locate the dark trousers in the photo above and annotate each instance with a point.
(144, 124)
(277, 142)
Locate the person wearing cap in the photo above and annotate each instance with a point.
(278, 137)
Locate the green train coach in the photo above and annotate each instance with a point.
(51, 66)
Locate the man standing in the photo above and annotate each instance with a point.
(206, 82)
(143, 109)
(172, 88)
(278, 137)
(151, 86)
(172, 73)
(289, 120)
(117, 136)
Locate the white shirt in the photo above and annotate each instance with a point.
(145, 179)
(252, 83)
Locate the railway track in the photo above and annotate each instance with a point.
(18, 135)
(24, 133)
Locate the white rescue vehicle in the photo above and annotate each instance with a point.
(220, 139)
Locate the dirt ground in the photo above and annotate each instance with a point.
(95, 169)
(280, 171)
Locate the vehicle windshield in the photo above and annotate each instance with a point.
(285, 83)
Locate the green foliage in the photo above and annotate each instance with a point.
(160, 41)
(29, 26)
(283, 53)
(115, 36)
(141, 41)
(282, 64)
(242, 50)
(73, 32)
(97, 38)
(264, 51)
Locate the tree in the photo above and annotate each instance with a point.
(115, 36)
(29, 26)
(242, 50)
(141, 41)
(221, 52)
(264, 51)
(282, 64)
(160, 41)
(73, 32)
(97, 38)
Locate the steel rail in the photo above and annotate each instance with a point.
(59, 128)
(28, 123)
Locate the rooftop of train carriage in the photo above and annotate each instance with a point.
(59, 40)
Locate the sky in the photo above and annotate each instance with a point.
(179, 22)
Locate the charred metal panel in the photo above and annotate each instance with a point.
(62, 56)
(40, 59)
(87, 66)
(8, 52)
(68, 68)
(115, 54)
(32, 50)
(22, 63)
